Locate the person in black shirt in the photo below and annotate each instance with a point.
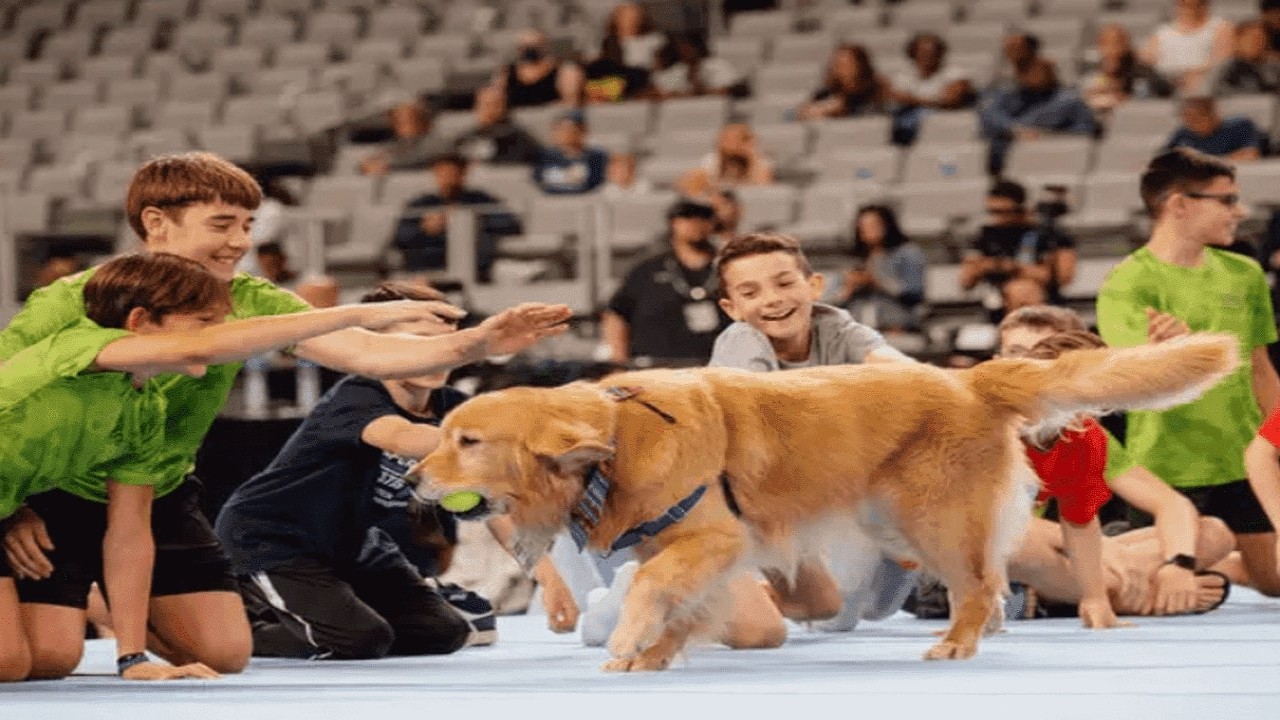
(330, 555)
(666, 308)
(1012, 246)
(420, 236)
(608, 79)
(495, 138)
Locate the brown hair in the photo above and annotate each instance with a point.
(399, 290)
(1179, 170)
(1057, 344)
(760, 243)
(1043, 317)
(173, 182)
(159, 283)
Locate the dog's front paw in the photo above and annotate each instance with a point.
(631, 638)
(951, 650)
(641, 663)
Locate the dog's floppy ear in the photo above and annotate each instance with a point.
(569, 449)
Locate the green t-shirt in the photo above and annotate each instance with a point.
(1202, 443)
(193, 403)
(1118, 459)
(70, 429)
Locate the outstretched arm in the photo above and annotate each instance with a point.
(396, 356)
(1176, 523)
(240, 339)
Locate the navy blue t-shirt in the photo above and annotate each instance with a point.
(330, 496)
(1235, 133)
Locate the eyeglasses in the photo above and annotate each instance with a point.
(1227, 199)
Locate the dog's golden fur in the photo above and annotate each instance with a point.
(927, 460)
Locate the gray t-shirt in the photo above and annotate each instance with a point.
(838, 339)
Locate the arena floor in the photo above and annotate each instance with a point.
(1222, 665)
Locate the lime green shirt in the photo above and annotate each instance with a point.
(70, 429)
(1119, 461)
(193, 403)
(1200, 444)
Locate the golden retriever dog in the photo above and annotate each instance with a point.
(925, 461)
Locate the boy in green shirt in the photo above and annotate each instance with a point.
(199, 206)
(1182, 280)
(83, 414)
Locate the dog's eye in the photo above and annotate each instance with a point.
(467, 440)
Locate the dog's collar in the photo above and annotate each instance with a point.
(596, 491)
(592, 505)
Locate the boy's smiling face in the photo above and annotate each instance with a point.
(771, 293)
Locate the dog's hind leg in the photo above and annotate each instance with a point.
(668, 586)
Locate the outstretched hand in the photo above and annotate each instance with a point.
(377, 316)
(515, 329)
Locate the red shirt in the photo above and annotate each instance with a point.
(1072, 472)
(1270, 430)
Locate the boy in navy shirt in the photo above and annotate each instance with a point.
(331, 563)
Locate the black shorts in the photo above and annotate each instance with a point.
(5, 570)
(189, 557)
(1234, 503)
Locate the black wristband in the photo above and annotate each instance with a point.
(1182, 560)
(124, 662)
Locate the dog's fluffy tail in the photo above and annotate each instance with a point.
(1148, 377)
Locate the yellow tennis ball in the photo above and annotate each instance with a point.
(460, 502)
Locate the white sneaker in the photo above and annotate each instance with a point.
(604, 607)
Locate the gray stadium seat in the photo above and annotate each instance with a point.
(836, 134)
(767, 206)
(811, 48)
(337, 30)
(269, 31)
(103, 120)
(446, 47)
(765, 24)
(629, 117)
(880, 163)
(692, 113)
(1066, 155)
(107, 68)
(71, 95)
(345, 192)
(945, 162)
(402, 23)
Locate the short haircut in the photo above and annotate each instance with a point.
(159, 283)
(171, 183)
(1265, 5)
(1010, 190)
(1055, 345)
(451, 158)
(1179, 170)
(1203, 103)
(760, 243)
(399, 290)
(913, 44)
(1043, 317)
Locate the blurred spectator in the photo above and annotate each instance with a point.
(270, 221)
(851, 87)
(1235, 138)
(737, 160)
(931, 84)
(1011, 246)
(666, 307)
(629, 23)
(1251, 68)
(570, 167)
(1019, 49)
(1038, 106)
(58, 265)
(273, 263)
(412, 144)
(621, 179)
(1185, 49)
(885, 286)
(496, 138)
(609, 78)
(537, 77)
(420, 236)
(1020, 292)
(683, 68)
(1118, 75)
(1270, 12)
(728, 209)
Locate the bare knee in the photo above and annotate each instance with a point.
(226, 654)
(51, 663)
(1214, 540)
(755, 636)
(15, 666)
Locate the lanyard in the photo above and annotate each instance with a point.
(675, 277)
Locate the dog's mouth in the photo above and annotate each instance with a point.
(779, 316)
(482, 509)
(479, 512)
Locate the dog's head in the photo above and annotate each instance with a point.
(525, 451)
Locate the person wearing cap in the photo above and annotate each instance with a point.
(569, 167)
(665, 310)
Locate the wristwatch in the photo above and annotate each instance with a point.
(1182, 560)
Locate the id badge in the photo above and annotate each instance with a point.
(701, 317)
